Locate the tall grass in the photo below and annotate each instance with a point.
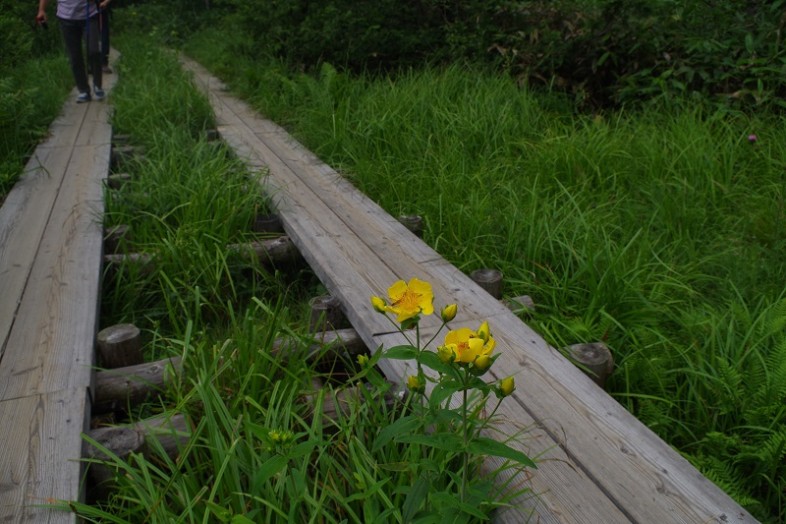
(659, 232)
(31, 95)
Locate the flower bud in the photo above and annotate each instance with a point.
(484, 331)
(449, 312)
(482, 363)
(414, 384)
(446, 354)
(507, 386)
(379, 304)
(363, 360)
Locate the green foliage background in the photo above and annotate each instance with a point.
(603, 52)
(34, 78)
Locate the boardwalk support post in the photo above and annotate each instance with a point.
(119, 346)
(490, 280)
(595, 359)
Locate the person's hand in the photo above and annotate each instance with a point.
(103, 4)
(41, 17)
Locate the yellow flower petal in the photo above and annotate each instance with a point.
(410, 300)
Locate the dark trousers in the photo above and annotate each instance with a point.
(104, 23)
(74, 31)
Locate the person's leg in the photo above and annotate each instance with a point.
(105, 36)
(72, 37)
(94, 50)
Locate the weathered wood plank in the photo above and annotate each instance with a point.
(590, 443)
(50, 345)
(40, 449)
(23, 217)
(50, 227)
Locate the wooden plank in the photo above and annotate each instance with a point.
(40, 452)
(23, 217)
(50, 346)
(51, 233)
(357, 251)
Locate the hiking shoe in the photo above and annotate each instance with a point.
(99, 93)
(82, 98)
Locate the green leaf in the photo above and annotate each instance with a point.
(302, 449)
(271, 467)
(449, 500)
(416, 496)
(404, 425)
(221, 513)
(405, 352)
(442, 391)
(241, 519)
(444, 441)
(431, 360)
(487, 446)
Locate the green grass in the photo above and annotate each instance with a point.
(660, 232)
(31, 95)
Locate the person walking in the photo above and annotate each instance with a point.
(79, 19)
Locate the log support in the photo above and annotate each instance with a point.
(120, 346)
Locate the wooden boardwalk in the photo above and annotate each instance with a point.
(50, 269)
(598, 464)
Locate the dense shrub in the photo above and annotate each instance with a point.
(20, 37)
(365, 34)
(619, 51)
(604, 52)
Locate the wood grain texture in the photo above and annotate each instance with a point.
(598, 463)
(51, 234)
(40, 454)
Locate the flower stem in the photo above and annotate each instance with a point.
(465, 428)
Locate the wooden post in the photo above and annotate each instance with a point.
(123, 154)
(337, 403)
(169, 433)
(119, 346)
(121, 140)
(117, 389)
(117, 180)
(522, 304)
(414, 223)
(326, 314)
(120, 441)
(595, 360)
(142, 262)
(490, 280)
(274, 251)
(269, 223)
(114, 236)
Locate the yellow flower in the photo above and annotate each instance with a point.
(467, 345)
(362, 359)
(449, 312)
(507, 386)
(414, 383)
(410, 300)
(379, 304)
